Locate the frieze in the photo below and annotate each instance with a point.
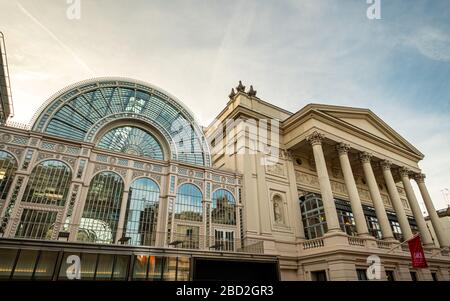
(182, 180)
(216, 186)
(70, 160)
(42, 156)
(157, 178)
(276, 169)
(17, 151)
(137, 174)
(34, 142)
(231, 188)
(198, 183)
(99, 167)
(121, 171)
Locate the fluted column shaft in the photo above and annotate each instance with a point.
(415, 208)
(315, 140)
(375, 195)
(352, 190)
(438, 229)
(396, 201)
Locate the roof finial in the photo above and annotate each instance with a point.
(232, 94)
(252, 92)
(241, 87)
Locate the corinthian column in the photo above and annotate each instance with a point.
(375, 195)
(352, 190)
(315, 139)
(420, 220)
(396, 201)
(420, 179)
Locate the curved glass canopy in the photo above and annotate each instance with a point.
(80, 111)
(133, 141)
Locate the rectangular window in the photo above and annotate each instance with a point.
(397, 231)
(88, 264)
(104, 267)
(374, 227)
(390, 275)
(170, 269)
(413, 276)
(81, 169)
(183, 269)
(27, 160)
(434, 276)
(155, 267)
(319, 276)
(362, 275)
(7, 259)
(188, 237)
(46, 265)
(140, 268)
(25, 265)
(121, 267)
(36, 224)
(224, 240)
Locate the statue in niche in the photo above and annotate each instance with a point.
(278, 211)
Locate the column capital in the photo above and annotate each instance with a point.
(404, 172)
(315, 138)
(342, 148)
(419, 177)
(365, 157)
(386, 164)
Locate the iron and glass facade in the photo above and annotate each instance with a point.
(117, 172)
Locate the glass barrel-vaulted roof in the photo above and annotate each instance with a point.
(81, 110)
(132, 140)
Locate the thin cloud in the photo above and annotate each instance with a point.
(54, 37)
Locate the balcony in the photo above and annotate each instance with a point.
(218, 244)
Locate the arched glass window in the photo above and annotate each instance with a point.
(8, 167)
(313, 216)
(142, 212)
(49, 184)
(189, 203)
(102, 208)
(223, 208)
(133, 141)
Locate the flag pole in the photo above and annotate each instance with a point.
(402, 243)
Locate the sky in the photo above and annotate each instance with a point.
(293, 53)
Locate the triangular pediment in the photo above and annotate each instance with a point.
(363, 121)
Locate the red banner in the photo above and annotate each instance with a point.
(417, 254)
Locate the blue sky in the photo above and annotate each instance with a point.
(292, 52)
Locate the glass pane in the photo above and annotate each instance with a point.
(170, 269)
(25, 265)
(101, 212)
(142, 213)
(140, 267)
(64, 266)
(189, 204)
(121, 267)
(133, 141)
(88, 263)
(7, 258)
(156, 264)
(104, 268)
(46, 265)
(183, 268)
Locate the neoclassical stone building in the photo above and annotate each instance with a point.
(119, 173)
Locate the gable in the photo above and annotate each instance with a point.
(367, 126)
(367, 122)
